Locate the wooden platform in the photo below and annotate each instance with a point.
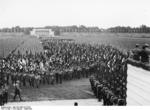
(138, 86)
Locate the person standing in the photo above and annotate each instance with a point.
(60, 77)
(136, 52)
(52, 78)
(5, 93)
(145, 54)
(37, 80)
(17, 90)
(57, 77)
(1, 97)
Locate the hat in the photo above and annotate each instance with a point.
(121, 102)
(136, 45)
(146, 45)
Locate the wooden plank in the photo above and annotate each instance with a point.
(138, 86)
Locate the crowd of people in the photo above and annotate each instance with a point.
(110, 83)
(67, 60)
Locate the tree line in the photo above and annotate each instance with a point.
(56, 29)
(81, 28)
(128, 29)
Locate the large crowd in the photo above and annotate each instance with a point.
(65, 60)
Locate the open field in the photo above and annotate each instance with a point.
(21, 43)
(122, 41)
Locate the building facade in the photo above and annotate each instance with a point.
(42, 32)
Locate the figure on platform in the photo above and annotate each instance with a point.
(145, 52)
(136, 52)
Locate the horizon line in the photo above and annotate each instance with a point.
(72, 25)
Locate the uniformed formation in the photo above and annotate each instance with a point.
(109, 84)
(67, 60)
(141, 54)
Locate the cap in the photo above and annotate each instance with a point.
(146, 45)
(136, 45)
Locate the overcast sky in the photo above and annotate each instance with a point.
(101, 13)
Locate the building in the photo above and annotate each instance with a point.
(42, 32)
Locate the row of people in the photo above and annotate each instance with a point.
(35, 78)
(105, 94)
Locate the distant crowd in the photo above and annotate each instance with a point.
(67, 60)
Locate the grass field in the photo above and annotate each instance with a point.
(123, 41)
(19, 42)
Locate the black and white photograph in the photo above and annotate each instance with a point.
(74, 53)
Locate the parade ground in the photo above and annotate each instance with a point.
(59, 94)
(69, 92)
(78, 90)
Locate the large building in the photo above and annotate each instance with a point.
(42, 32)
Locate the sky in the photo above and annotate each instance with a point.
(101, 13)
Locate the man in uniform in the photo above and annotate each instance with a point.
(136, 52)
(5, 93)
(52, 78)
(99, 92)
(104, 93)
(121, 102)
(60, 77)
(114, 100)
(95, 87)
(37, 80)
(145, 54)
(17, 90)
(1, 97)
(92, 82)
(24, 79)
(13, 77)
(31, 79)
(57, 77)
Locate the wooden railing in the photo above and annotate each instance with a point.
(145, 66)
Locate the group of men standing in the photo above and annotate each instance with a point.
(109, 84)
(141, 54)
